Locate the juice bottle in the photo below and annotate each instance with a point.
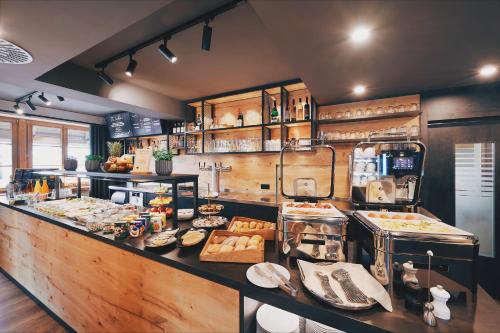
(45, 187)
(38, 187)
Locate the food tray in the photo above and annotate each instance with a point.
(216, 221)
(268, 234)
(244, 256)
(396, 222)
(180, 234)
(309, 210)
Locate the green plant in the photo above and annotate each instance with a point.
(115, 149)
(94, 158)
(163, 155)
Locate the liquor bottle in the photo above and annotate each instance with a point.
(287, 112)
(293, 115)
(274, 114)
(240, 121)
(182, 127)
(198, 122)
(300, 110)
(174, 129)
(307, 109)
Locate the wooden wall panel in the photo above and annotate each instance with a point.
(96, 287)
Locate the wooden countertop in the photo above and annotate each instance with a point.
(477, 315)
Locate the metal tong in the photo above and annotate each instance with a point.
(352, 292)
(274, 275)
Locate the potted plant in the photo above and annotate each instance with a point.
(70, 163)
(92, 162)
(163, 162)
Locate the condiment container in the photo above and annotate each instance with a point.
(440, 297)
(409, 274)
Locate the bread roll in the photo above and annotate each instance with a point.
(252, 225)
(252, 247)
(226, 248)
(218, 239)
(231, 240)
(258, 226)
(244, 225)
(239, 247)
(243, 240)
(213, 248)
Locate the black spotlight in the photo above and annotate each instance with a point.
(60, 98)
(169, 55)
(30, 105)
(207, 37)
(18, 109)
(105, 77)
(132, 64)
(44, 99)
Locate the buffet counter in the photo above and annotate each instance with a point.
(94, 282)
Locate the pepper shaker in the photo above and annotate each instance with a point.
(440, 297)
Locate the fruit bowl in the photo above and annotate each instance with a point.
(118, 164)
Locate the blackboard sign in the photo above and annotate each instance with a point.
(144, 125)
(119, 125)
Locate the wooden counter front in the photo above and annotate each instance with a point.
(94, 286)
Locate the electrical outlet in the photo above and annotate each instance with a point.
(265, 186)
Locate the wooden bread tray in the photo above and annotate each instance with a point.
(267, 234)
(244, 256)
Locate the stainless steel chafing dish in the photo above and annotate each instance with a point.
(390, 237)
(307, 227)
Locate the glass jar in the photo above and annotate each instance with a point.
(380, 110)
(359, 113)
(390, 109)
(369, 112)
(414, 131)
(401, 108)
(413, 106)
(348, 114)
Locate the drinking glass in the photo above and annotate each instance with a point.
(413, 106)
(359, 113)
(380, 110)
(369, 112)
(390, 109)
(401, 108)
(338, 115)
(414, 131)
(348, 114)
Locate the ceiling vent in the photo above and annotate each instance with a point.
(13, 54)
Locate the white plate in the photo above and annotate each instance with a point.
(274, 320)
(260, 281)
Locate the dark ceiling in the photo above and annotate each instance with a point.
(416, 46)
(242, 54)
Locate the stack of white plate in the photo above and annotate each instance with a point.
(274, 320)
(315, 327)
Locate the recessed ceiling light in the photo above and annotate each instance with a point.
(361, 34)
(359, 89)
(488, 70)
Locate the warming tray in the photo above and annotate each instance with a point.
(311, 211)
(411, 225)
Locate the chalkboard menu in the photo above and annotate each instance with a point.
(119, 125)
(143, 125)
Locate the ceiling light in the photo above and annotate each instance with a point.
(18, 109)
(359, 89)
(361, 34)
(207, 37)
(105, 77)
(132, 64)
(488, 70)
(169, 55)
(60, 98)
(44, 99)
(30, 104)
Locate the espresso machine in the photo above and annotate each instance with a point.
(385, 190)
(309, 226)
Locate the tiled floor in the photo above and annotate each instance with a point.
(19, 313)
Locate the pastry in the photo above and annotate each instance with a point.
(252, 225)
(252, 247)
(255, 240)
(192, 237)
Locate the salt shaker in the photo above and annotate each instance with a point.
(440, 297)
(409, 274)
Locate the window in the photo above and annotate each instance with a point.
(475, 192)
(78, 146)
(46, 147)
(6, 164)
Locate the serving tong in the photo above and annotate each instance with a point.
(272, 274)
(352, 292)
(330, 295)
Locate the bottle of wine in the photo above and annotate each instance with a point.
(300, 110)
(287, 112)
(307, 109)
(240, 121)
(182, 127)
(293, 115)
(174, 129)
(274, 113)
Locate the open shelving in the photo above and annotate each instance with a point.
(218, 115)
